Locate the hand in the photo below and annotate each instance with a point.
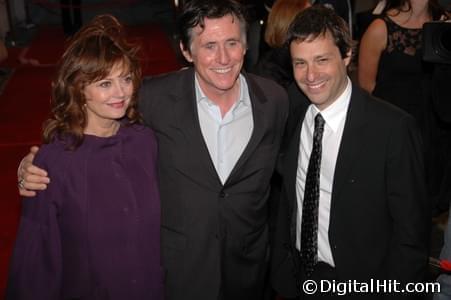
(30, 177)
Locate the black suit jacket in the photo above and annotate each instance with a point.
(214, 237)
(379, 216)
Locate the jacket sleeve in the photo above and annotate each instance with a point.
(408, 203)
(36, 264)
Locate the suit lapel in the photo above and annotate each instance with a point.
(258, 100)
(298, 107)
(185, 110)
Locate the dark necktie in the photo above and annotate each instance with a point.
(309, 227)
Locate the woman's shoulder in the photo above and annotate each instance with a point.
(138, 133)
(139, 140)
(138, 130)
(53, 155)
(379, 24)
(376, 33)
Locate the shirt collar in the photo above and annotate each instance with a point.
(244, 97)
(335, 113)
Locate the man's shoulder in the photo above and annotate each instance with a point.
(379, 107)
(267, 85)
(268, 90)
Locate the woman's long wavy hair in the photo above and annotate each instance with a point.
(90, 56)
(435, 9)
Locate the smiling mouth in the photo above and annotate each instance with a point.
(316, 86)
(222, 70)
(117, 104)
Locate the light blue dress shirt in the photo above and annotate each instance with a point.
(226, 137)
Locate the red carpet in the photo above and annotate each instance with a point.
(157, 53)
(24, 105)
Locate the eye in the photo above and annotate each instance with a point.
(128, 79)
(298, 64)
(323, 60)
(232, 43)
(210, 46)
(105, 84)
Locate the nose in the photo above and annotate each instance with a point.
(119, 90)
(311, 73)
(223, 55)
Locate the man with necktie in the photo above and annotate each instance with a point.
(353, 203)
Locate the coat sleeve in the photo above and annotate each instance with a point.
(408, 203)
(36, 264)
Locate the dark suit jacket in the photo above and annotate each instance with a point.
(214, 236)
(379, 216)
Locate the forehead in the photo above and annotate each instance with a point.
(314, 46)
(214, 28)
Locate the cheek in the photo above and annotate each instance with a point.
(129, 90)
(202, 59)
(94, 96)
(298, 74)
(238, 54)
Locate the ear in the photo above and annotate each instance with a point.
(186, 53)
(348, 57)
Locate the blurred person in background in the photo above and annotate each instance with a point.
(71, 18)
(275, 63)
(391, 67)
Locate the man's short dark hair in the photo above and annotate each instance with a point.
(317, 21)
(195, 12)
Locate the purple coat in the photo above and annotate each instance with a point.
(95, 232)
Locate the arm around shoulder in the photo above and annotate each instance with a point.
(30, 177)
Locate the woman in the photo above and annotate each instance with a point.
(275, 63)
(391, 67)
(94, 233)
(390, 56)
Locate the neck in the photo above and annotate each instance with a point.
(419, 8)
(102, 130)
(223, 99)
(413, 18)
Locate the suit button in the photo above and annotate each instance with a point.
(223, 194)
(352, 180)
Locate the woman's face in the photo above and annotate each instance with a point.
(108, 99)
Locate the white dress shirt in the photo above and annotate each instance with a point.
(334, 116)
(226, 137)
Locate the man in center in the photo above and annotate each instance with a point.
(219, 132)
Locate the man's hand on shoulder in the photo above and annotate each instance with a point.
(31, 178)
